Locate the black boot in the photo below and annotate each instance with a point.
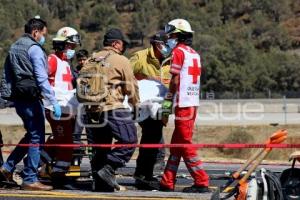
(101, 186)
(60, 181)
(165, 189)
(143, 183)
(107, 174)
(196, 189)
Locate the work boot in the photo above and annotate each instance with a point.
(143, 183)
(107, 174)
(5, 175)
(38, 186)
(60, 181)
(196, 189)
(101, 186)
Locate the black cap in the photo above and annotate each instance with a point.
(160, 36)
(115, 34)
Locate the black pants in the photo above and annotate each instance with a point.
(118, 125)
(151, 134)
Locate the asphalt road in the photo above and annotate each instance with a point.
(215, 170)
(83, 185)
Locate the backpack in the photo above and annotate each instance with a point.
(92, 81)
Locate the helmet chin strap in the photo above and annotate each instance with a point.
(118, 47)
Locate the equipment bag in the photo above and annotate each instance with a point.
(264, 186)
(290, 180)
(92, 81)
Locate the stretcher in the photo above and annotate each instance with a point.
(238, 182)
(74, 171)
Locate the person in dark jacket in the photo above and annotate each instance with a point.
(152, 63)
(26, 82)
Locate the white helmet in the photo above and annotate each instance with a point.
(67, 34)
(177, 26)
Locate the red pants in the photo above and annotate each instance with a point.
(62, 131)
(183, 133)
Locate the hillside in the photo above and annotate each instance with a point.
(249, 48)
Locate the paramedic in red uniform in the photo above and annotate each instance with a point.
(184, 91)
(60, 78)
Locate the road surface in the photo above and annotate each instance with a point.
(125, 179)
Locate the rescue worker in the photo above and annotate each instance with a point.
(60, 78)
(113, 119)
(25, 82)
(184, 90)
(151, 64)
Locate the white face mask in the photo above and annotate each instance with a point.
(165, 50)
(172, 43)
(70, 53)
(42, 40)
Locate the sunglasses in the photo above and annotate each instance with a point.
(74, 39)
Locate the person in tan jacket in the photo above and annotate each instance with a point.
(113, 120)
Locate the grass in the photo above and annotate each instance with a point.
(209, 135)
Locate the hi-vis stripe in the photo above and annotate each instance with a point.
(178, 67)
(190, 161)
(174, 158)
(172, 167)
(173, 163)
(195, 169)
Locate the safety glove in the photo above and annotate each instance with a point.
(167, 105)
(57, 111)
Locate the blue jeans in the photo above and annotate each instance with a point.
(33, 117)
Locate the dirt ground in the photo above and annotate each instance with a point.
(209, 135)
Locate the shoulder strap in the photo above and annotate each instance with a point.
(274, 185)
(100, 59)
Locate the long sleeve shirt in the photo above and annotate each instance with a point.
(40, 69)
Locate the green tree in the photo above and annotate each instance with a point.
(99, 18)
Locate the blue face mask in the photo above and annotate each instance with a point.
(172, 43)
(70, 53)
(42, 41)
(165, 50)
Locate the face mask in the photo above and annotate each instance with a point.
(172, 43)
(124, 49)
(70, 53)
(165, 50)
(42, 41)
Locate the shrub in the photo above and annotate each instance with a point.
(238, 135)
